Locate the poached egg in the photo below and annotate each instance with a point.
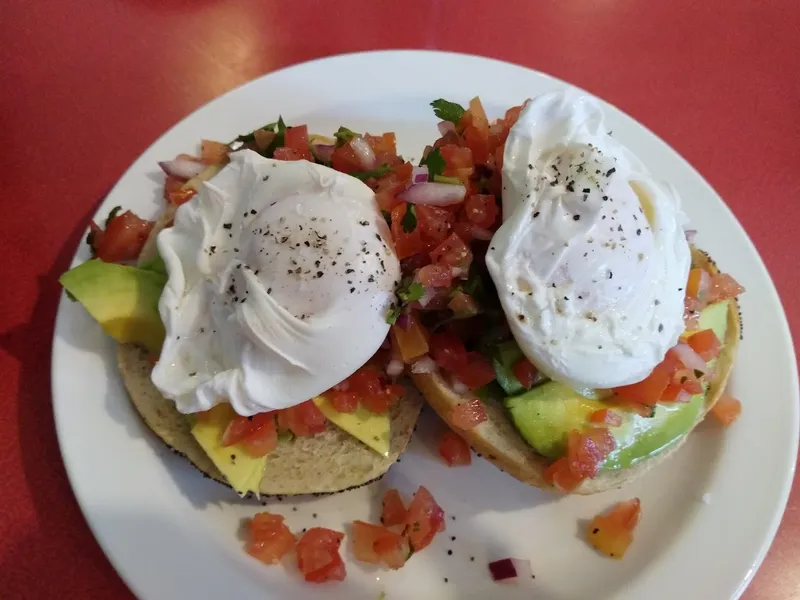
(591, 260)
(280, 278)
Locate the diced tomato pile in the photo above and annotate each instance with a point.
(612, 533)
(122, 239)
(401, 533)
(367, 387)
(586, 453)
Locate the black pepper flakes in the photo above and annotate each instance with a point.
(611, 171)
(227, 225)
(536, 214)
(576, 217)
(660, 327)
(638, 232)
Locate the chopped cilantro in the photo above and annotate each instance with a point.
(112, 214)
(409, 221)
(344, 135)
(411, 291)
(435, 164)
(279, 140)
(364, 175)
(448, 111)
(393, 314)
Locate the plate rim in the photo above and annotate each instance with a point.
(785, 332)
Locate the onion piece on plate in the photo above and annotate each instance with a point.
(510, 570)
(419, 174)
(364, 152)
(185, 169)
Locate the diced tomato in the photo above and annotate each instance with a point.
(424, 520)
(257, 434)
(296, 138)
(458, 161)
(385, 148)
(478, 372)
(448, 351)
(511, 116)
(467, 415)
(463, 229)
(287, 154)
(674, 392)
(412, 341)
(562, 477)
(435, 276)
(606, 416)
(463, 305)
(365, 382)
(525, 372)
(723, 287)
(688, 381)
(685, 355)
(481, 210)
(652, 387)
(181, 196)
(345, 402)
(612, 533)
(393, 511)
(434, 222)
(375, 544)
(122, 239)
(269, 538)
(318, 555)
(346, 160)
(214, 153)
(478, 143)
(407, 239)
(727, 409)
(391, 184)
(453, 252)
(697, 284)
(303, 420)
(585, 455)
(172, 184)
(706, 344)
(454, 450)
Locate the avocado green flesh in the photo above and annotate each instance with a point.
(122, 299)
(545, 414)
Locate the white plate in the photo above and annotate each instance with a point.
(172, 534)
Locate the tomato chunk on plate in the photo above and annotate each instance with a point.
(393, 510)
(375, 544)
(454, 450)
(727, 409)
(612, 533)
(318, 555)
(269, 538)
(424, 520)
(706, 344)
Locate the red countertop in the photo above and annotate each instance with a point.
(88, 84)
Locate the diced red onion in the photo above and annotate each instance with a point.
(690, 235)
(185, 169)
(434, 193)
(690, 359)
(343, 386)
(323, 152)
(394, 368)
(419, 174)
(459, 387)
(430, 294)
(480, 233)
(445, 127)
(424, 365)
(403, 321)
(510, 570)
(364, 152)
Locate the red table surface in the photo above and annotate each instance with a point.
(87, 85)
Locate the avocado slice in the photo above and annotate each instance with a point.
(122, 299)
(545, 414)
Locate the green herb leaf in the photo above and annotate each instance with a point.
(280, 138)
(364, 175)
(393, 314)
(450, 180)
(435, 163)
(251, 137)
(448, 111)
(344, 135)
(112, 214)
(410, 292)
(388, 216)
(409, 222)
